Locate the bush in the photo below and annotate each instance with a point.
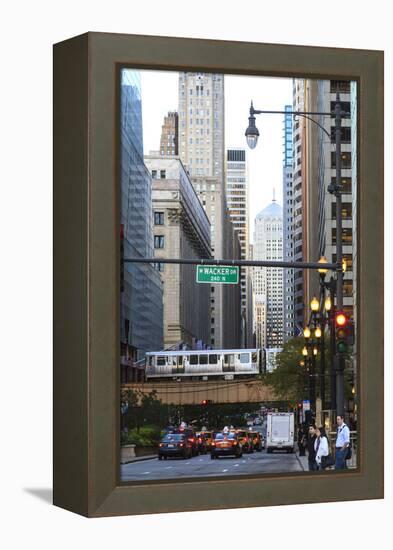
(148, 436)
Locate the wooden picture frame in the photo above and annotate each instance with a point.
(86, 272)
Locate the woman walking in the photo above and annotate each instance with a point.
(321, 447)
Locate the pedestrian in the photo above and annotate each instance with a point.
(311, 438)
(321, 447)
(301, 441)
(342, 443)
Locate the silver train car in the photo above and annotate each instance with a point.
(204, 364)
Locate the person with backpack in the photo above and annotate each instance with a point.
(343, 443)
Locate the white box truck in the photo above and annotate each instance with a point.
(280, 432)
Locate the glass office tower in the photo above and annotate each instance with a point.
(141, 326)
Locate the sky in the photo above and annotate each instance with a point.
(265, 162)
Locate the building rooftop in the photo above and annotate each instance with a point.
(273, 210)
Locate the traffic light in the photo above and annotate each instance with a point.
(299, 405)
(341, 332)
(122, 257)
(206, 401)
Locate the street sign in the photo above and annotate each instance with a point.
(223, 274)
(306, 405)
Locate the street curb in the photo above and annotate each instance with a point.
(139, 459)
(300, 462)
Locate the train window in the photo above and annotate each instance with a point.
(226, 359)
(160, 360)
(244, 358)
(254, 356)
(193, 359)
(203, 359)
(180, 360)
(212, 359)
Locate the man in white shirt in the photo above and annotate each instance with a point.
(342, 443)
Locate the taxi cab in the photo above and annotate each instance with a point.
(226, 444)
(245, 440)
(256, 440)
(209, 438)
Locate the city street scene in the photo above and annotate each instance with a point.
(238, 290)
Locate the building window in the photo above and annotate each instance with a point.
(154, 174)
(162, 174)
(345, 134)
(346, 160)
(346, 185)
(158, 218)
(346, 210)
(346, 235)
(159, 241)
(340, 86)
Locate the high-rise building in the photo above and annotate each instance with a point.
(298, 197)
(288, 248)
(141, 311)
(267, 281)
(237, 196)
(326, 97)
(169, 143)
(201, 149)
(181, 230)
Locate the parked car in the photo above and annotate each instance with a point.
(174, 445)
(226, 444)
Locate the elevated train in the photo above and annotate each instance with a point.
(225, 364)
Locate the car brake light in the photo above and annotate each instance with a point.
(181, 445)
(213, 444)
(191, 439)
(161, 444)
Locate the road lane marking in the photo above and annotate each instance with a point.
(145, 472)
(225, 470)
(236, 465)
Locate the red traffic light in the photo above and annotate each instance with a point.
(299, 405)
(341, 319)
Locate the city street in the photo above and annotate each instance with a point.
(200, 466)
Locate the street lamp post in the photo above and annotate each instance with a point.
(252, 135)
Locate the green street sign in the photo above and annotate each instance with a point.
(223, 274)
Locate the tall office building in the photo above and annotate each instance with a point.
(288, 248)
(325, 101)
(201, 149)
(298, 197)
(169, 143)
(267, 281)
(237, 196)
(181, 230)
(141, 323)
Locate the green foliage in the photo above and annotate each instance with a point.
(290, 380)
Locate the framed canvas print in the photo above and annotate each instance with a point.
(218, 274)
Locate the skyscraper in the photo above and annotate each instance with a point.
(268, 281)
(237, 196)
(288, 248)
(141, 326)
(169, 143)
(201, 149)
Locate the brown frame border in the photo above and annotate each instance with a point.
(86, 290)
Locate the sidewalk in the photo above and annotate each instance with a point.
(303, 460)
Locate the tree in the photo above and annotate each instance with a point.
(289, 380)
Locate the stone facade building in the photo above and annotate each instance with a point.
(181, 230)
